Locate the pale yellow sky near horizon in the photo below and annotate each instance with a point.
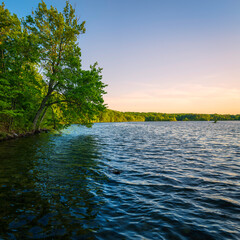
(179, 92)
(191, 99)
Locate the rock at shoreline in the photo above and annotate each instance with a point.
(8, 136)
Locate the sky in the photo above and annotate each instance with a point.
(172, 56)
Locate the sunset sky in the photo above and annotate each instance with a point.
(173, 56)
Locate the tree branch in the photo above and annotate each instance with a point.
(56, 102)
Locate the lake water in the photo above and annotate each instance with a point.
(151, 180)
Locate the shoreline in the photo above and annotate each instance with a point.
(4, 136)
(13, 135)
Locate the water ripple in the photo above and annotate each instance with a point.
(158, 180)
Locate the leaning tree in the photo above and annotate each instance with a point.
(77, 94)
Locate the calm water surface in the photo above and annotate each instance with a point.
(178, 180)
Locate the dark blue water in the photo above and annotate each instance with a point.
(156, 180)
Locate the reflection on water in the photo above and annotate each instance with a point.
(178, 180)
(50, 187)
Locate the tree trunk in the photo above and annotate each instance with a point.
(54, 120)
(43, 115)
(39, 112)
(51, 88)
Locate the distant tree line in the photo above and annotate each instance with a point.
(116, 116)
(42, 83)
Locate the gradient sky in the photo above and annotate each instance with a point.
(173, 56)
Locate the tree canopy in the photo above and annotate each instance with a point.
(41, 76)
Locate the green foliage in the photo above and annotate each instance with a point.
(41, 79)
(115, 116)
(18, 74)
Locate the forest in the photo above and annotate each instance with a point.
(116, 116)
(42, 83)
